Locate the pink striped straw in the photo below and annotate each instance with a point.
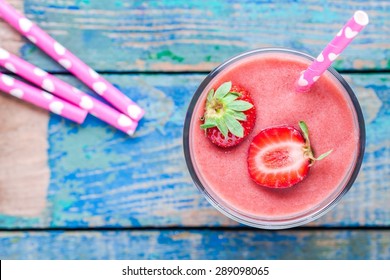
(41, 99)
(343, 38)
(70, 62)
(65, 91)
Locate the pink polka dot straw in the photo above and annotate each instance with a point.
(41, 99)
(70, 62)
(343, 38)
(67, 92)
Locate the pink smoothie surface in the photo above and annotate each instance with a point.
(326, 109)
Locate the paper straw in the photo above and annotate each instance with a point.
(41, 99)
(70, 62)
(343, 38)
(65, 91)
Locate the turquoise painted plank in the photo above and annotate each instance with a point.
(196, 244)
(99, 177)
(197, 35)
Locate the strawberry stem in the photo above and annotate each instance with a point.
(307, 150)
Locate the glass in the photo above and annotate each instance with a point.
(285, 222)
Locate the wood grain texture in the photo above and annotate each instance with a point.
(175, 35)
(195, 244)
(24, 174)
(99, 177)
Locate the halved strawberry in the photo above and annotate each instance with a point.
(280, 157)
(229, 115)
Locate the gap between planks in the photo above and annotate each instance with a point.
(202, 228)
(151, 72)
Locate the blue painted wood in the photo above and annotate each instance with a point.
(195, 244)
(197, 35)
(100, 177)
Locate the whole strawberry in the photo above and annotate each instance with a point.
(229, 115)
(280, 157)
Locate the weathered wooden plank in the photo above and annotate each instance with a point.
(196, 244)
(24, 171)
(99, 177)
(23, 145)
(197, 35)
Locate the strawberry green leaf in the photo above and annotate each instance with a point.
(237, 115)
(229, 98)
(223, 90)
(206, 126)
(210, 95)
(209, 123)
(305, 130)
(324, 155)
(234, 126)
(240, 105)
(222, 127)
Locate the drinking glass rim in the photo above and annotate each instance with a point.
(272, 225)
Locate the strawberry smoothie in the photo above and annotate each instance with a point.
(331, 113)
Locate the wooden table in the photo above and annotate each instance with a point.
(90, 192)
